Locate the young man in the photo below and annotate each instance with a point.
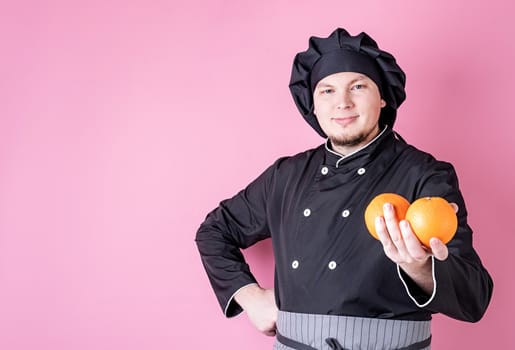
(335, 286)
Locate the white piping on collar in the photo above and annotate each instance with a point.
(342, 157)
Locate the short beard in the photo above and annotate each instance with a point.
(355, 140)
(348, 141)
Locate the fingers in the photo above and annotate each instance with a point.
(455, 207)
(270, 333)
(392, 225)
(399, 242)
(414, 249)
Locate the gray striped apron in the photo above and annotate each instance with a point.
(330, 332)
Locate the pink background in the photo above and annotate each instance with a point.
(122, 123)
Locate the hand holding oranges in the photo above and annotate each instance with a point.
(432, 217)
(428, 216)
(375, 209)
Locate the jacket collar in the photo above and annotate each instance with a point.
(370, 149)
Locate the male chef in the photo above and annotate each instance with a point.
(335, 286)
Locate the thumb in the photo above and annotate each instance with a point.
(439, 249)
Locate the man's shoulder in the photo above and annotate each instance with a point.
(413, 153)
(414, 156)
(301, 158)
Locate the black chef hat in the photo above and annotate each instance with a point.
(341, 52)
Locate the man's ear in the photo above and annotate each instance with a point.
(383, 103)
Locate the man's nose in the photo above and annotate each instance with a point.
(344, 101)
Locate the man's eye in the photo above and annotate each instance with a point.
(358, 87)
(326, 91)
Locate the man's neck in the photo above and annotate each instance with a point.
(345, 151)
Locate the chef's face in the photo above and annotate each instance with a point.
(347, 106)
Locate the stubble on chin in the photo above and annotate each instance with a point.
(342, 141)
(353, 140)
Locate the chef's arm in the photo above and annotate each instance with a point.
(449, 279)
(236, 224)
(461, 286)
(220, 240)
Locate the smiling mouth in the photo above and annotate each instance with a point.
(343, 121)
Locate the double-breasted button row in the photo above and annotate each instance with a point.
(307, 212)
(325, 171)
(332, 264)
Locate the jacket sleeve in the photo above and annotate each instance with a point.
(463, 287)
(237, 223)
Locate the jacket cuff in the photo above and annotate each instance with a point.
(419, 297)
(232, 308)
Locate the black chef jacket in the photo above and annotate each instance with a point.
(326, 262)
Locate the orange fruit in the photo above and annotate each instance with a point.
(375, 209)
(432, 217)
